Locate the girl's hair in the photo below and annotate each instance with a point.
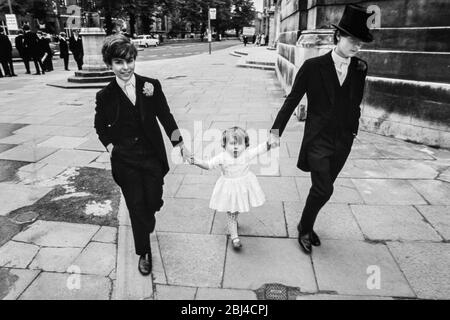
(337, 33)
(235, 132)
(118, 47)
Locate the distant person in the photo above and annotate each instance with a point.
(245, 41)
(254, 38)
(161, 39)
(64, 50)
(263, 40)
(6, 54)
(46, 52)
(20, 48)
(76, 46)
(31, 46)
(267, 40)
(258, 39)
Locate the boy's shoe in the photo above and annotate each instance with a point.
(315, 240)
(236, 242)
(145, 264)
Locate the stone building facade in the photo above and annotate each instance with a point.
(408, 86)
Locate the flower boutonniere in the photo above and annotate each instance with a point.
(361, 66)
(148, 89)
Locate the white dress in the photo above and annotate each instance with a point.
(237, 189)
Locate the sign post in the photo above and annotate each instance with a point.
(11, 22)
(211, 16)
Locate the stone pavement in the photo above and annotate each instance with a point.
(385, 232)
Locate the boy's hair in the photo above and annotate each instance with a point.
(26, 28)
(235, 132)
(1, 30)
(341, 33)
(118, 47)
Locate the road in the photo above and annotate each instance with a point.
(165, 51)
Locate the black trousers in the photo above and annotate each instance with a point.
(79, 61)
(8, 67)
(139, 176)
(26, 62)
(37, 64)
(66, 62)
(326, 155)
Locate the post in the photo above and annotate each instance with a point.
(10, 7)
(209, 30)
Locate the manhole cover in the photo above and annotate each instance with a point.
(272, 291)
(25, 217)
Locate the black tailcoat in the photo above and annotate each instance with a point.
(5, 48)
(152, 108)
(317, 78)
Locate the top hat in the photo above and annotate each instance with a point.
(354, 22)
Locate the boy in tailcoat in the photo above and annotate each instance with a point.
(334, 84)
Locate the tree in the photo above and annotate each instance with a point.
(243, 14)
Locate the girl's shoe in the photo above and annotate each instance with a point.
(236, 242)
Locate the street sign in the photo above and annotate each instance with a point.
(11, 22)
(212, 13)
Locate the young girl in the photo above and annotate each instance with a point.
(237, 188)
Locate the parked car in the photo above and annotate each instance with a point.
(145, 40)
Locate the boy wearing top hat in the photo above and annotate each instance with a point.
(334, 84)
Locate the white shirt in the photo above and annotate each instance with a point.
(129, 88)
(236, 167)
(341, 65)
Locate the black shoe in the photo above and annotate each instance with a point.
(315, 241)
(28, 72)
(145, 264)
(305, 242)
(37, 74)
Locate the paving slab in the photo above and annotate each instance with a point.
(158, 272)
(268, 260)
(9, 170)
(388, 192)
(438, 217)
(97, 258)
(61, 142)
(185, 215)
(15, 196)
(345, 191)
(8, 229)
(164, 292)
(55, 259)
(224, 294)
(63, 286)
(130, 284)
(71, 158)
(106, 235)
(93, 144)
(27, 153)
(192, 259)
(279, 189)
(363, 169)
(267, 220)
(364, 151)
(435, 192)
(395, 223)
(403, 151)
(408, 169)
(425, 265)
(17, 255)
(346, 266)
(335, 221)
(14, 281)
(23, 138)
(58, 234)
(65, 131)
(47, 172)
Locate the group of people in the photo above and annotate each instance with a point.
(129, 108)
(34, 46)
